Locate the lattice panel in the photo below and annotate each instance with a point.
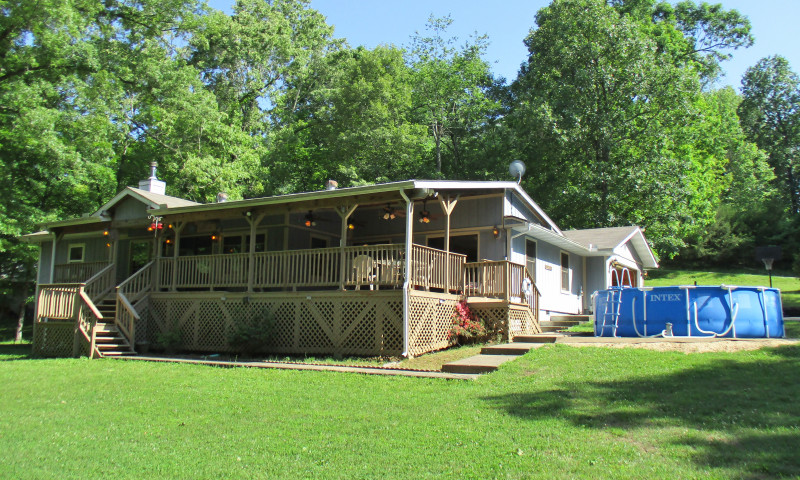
(495, 317)
(53, 339)
(521, 321)
(327, 324)
(430, 321)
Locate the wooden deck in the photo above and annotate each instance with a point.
(346, 300)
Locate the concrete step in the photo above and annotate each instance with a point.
(536, 338)
(477, 364)
(576, 318)
(516, 348)
(548, 329)
(559, 323)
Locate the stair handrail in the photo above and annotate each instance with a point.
(87, 325)
(535, 294)
(134, 288)
(101, 283)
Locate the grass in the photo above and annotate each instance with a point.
(789, 285)
(558, 412)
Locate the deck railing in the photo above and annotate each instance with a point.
(500, 279)
(432, 268)
(76, 272)
(70, 304)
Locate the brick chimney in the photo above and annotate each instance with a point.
(153, 184)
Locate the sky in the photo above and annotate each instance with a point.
(508, 22)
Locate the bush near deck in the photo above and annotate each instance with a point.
(558, 412)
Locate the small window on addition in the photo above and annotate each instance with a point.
(76, 251)
(565, 283)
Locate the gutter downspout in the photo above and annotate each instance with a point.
(407, 281)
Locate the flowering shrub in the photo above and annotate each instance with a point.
(467, 326)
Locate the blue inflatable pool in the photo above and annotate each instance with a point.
(689, 311)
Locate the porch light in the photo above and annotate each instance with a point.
(168, 241)
(214, 236)
(310, 222)
(105, 232)
(388, 212)
(351, 226)
(495, 231)
(424, 215)
(108, 244)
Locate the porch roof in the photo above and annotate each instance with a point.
(414, 189)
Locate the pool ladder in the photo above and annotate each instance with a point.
(614, 302)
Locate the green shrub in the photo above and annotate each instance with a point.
(252, 337)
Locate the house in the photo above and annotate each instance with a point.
(370, 270)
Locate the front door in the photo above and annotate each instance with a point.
(141, 252)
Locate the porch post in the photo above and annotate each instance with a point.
(409, 266)
(178, 228)
(251, 265)
(53, 258)
(344, 212)
(447, 206)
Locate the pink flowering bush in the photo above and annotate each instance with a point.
(467, 326)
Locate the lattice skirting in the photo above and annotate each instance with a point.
(370, 323)
(514, 319)
(430, 321)
(53, 339)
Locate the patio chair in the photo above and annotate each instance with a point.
(363, 271)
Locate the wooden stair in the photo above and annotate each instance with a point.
(109, 341)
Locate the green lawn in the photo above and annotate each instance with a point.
(558, 412)
(789, 285)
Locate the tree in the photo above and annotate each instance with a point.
(451, 90)
(699, 36)
(770, 116)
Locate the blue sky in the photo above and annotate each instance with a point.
(507, 22)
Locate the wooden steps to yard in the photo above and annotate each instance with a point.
(110, 342)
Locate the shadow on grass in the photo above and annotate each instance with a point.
(20, 351)
(741, 414)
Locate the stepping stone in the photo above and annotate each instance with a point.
(477, 364)
(516, 348)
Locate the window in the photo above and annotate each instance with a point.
(530, 258)
(565, 280)
(232, 244)
(76, 251)
(192, 246)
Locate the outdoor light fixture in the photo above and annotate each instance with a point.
(388, 212)
(424, 215)
(155, 223)
(214, 236)
(105, 232)
(168, 241)
(495, 231)
(108, 244)
(351, 226)
(310, 222)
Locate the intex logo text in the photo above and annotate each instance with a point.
(666, 297)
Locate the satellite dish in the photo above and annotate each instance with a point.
(517, 169)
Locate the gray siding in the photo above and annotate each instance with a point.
(129, 209)
(45, 252)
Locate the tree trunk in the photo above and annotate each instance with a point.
(20, 322)
(437, 138)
